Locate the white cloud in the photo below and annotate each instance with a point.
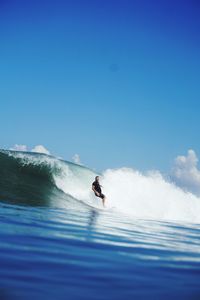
(186, 173)
(17, 147)
(40, 149)
(76, 159)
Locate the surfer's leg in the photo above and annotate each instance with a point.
(103, 199)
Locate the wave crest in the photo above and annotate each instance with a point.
(28, 176)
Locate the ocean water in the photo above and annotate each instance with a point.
(57, 242)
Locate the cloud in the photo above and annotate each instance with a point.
(40, 149)
(17, 147)
(76, 159)
(185, 172)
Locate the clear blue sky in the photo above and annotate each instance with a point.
(117, 82)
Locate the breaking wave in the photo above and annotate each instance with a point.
(39, 179)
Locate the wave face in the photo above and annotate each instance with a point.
(57, 247)
(39, 179)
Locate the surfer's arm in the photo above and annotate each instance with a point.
(93, 188)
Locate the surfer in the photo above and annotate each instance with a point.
(96, 187)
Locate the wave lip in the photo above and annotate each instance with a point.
(41, 179)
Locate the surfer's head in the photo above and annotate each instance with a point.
(97, 178)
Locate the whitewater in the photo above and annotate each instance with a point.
(58, 242)
(146, 196)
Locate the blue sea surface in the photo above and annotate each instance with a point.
(54, 245)
(88, 254)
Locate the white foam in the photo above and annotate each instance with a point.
(149, 196)
(141, 195)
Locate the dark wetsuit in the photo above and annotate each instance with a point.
(98, 189)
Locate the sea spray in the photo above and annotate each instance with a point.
(140, 195)
(149, 196)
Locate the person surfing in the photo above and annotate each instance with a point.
(96, 187)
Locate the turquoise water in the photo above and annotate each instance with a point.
(53, 246)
